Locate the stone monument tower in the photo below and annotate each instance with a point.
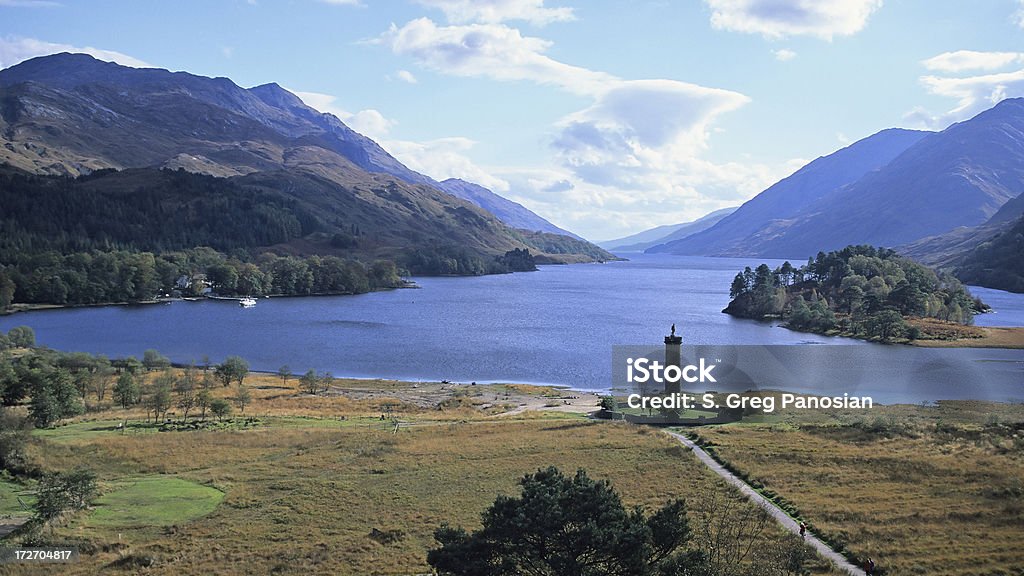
(672, 343)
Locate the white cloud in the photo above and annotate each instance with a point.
(497, 11)
(343, 2)
(964, 60)
(640, 129)
(630, 159)
(784, 54)
(1018, 16)
(600, 212)
(367, 122)
(973, 94)
(405, 76)
(14, 50)
(227, 51)
(490, 50)
(444, 158)
(782, 18)
(441, 158)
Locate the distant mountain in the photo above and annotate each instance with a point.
(958, 177)
(643, 240)
(509, 212)
(998, 262)
(777, 206)
(981, 255)
(950, 249)
(70, 114)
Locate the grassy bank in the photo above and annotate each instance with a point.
(922, 490)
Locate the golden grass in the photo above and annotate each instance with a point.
(305, 500)
(937, 497)
(987, 338)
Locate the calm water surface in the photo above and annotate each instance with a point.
(555, 326)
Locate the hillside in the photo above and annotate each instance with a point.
(958, 177)
(917, 186)
(998, 262)
(661, 234)
(779, 203)
(948, 249)
(509, 212)
(70, 114)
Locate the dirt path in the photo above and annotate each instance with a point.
(837, 559)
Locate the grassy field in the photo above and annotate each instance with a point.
(322, 485)
(922, 490)
(152, 501)
(304, 484)
(313, 497)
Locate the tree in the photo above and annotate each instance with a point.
(160, 400)
(126, 390)
(154, 360)
(54, 397)
(233, 368)
(220, 408)
(7, 289)
(285, 372)
(325, 381)
(60, 493)
(242, 398)
(22, 337)
(203, 400)
(567, 525)
(15, 432)
(739, 285)
(309, 382)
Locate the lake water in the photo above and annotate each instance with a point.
(557, 326)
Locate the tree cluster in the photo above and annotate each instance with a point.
(860, 290)
(124, 276)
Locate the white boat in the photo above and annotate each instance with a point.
(247, 302)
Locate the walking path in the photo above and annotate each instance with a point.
(837, 559)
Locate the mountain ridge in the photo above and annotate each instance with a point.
(784, 199)
(661, 234)
(71, 114)
(298, 127)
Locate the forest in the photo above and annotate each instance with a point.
(859, 291)
(136, 235)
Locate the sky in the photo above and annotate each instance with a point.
(605, 117)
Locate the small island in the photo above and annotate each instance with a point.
(860, 292)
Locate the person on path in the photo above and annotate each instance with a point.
(803, 530)
(869, 567)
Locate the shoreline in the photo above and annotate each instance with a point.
(20, 308)
(997, 337)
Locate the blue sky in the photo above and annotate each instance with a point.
(605, 117)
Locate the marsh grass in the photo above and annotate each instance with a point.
(922, 490)
(343, 499)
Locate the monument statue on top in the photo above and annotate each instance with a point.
(672, 354)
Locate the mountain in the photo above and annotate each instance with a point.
(951, 248)
(659, 235)
(509, 212)
(70, 114)
(784, 200)
(958, 177)
(998, 262)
